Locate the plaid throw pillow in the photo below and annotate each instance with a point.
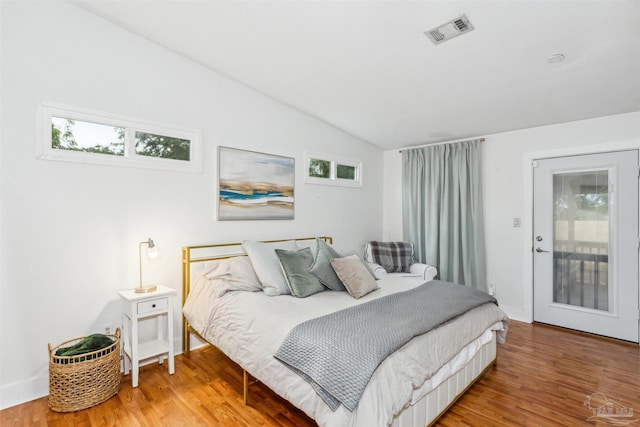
(393, 256)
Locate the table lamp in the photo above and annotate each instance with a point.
(152, 252)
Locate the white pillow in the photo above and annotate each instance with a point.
(267, 265)
(378, 271)
(222, 276)
(233, 274)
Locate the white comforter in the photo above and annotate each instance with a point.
(250, 326)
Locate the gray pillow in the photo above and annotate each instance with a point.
(322, 269)
(294, 266)
(355, 275)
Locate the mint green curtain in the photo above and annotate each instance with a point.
(442, 209)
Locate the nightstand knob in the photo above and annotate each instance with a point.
(153, 306)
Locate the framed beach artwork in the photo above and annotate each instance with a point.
(254, 186)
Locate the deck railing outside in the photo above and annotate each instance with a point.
(581, 275)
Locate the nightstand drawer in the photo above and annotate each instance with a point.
(153, 305)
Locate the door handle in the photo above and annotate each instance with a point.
(539, 249)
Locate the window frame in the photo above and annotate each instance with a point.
(334, 162)
(45, 151)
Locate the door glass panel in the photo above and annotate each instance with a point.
(581, 239)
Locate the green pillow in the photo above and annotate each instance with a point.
(295, 266)
(322, 269)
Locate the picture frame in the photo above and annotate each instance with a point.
(255, 186)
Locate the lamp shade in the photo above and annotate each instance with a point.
(152, 249)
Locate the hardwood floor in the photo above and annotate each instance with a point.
(543, 377)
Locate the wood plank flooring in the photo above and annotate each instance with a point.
(543, 377)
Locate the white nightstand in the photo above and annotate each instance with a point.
(135, 307)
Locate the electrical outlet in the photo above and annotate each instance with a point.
(492, 289)
(107, 328)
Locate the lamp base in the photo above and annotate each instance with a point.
(145, 289)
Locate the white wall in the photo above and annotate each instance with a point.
(70, 232)
(507, 184)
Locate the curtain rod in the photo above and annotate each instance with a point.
(437, 143)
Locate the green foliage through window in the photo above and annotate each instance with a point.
(319, 168)
(328, 170)
(87, 137)
(76, 135)
(165, 147)
(346, 172)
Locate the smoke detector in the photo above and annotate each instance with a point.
(451, 29)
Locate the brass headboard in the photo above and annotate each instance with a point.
(207, 253)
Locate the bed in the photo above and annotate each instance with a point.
(413, 386)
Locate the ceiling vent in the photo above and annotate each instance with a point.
(449, 30)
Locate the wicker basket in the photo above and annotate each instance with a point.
(81, 381)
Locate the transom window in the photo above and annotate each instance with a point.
(331, 170)
(76, 135)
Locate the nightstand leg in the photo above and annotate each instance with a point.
(170, 338)
(135, 363)
(127, 364)
(160, 321)
(126, 344)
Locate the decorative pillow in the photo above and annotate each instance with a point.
(267, 265)
(371, 268)
(354, 275)
(233, 274)
(294, 266)
(321, 267)
(311, 244)
(395, 257)
(378, 271)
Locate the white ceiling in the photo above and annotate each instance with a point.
(367, 68)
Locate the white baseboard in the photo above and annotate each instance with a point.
(197, 343)
(24, 391)
(38, 386)
(516, 313)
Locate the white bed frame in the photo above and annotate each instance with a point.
(424, 412)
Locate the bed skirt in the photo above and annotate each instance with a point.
(429, 408)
